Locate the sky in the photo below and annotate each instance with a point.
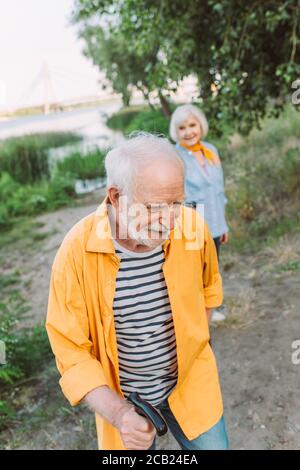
(36, 35)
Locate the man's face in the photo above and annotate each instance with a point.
(151, 213)
(190, 131)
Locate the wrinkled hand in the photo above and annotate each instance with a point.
(137, 432)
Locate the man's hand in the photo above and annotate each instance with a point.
(137, 432)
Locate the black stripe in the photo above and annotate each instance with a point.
(158, 398)
(161, 252)
(120, 343)
(145, 359)
(134, 268)
(145, 378)
(141, 302)
(139, 320)
(155, 388)
(150, 283)
(149, 332)
(152, 370)
(139, 314)
(142, 312)
(130, 353)
(123, 330)
(131, 278)
(139, 294)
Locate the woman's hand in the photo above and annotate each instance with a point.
(224, 238)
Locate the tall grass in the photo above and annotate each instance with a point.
(139, 119)
(27, 350)
(18, 200)
(83, 166)
(26, 158)
(263, 178)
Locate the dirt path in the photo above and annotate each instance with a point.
(254, 347)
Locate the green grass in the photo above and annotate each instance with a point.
(27, 350)
(22, 235)
(263, 183)
(25, 158)
(19, 200)
(121, 120)
(142, 118)
(290, 266)
(79, 166)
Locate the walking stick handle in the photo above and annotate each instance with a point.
(144, 408)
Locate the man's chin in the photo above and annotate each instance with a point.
(152, 242)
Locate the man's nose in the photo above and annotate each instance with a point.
(167, 219)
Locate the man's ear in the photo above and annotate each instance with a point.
(114, 195)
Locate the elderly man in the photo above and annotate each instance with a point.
(130, 288)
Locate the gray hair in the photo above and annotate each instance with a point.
(124, 162)
(181, 114)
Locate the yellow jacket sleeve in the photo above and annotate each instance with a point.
(68, 330)
(212, 281)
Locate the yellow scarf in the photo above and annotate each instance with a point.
(209, 154)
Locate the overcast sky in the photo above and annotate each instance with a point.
(37, 32)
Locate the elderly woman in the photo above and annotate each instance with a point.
(204, 181)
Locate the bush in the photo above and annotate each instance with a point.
(26, 350)
(149, 121)
(26, 200)
(79, 166)
(262, 180)
(121, 120)
(142, 119)
(26, 158)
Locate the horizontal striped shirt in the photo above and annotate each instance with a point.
(144, 326)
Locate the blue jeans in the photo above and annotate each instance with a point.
(213, 439)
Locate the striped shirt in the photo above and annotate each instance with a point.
(144, 326)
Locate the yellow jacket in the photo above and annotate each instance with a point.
(80, 319)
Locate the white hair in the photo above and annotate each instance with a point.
(124, 162)
(181, 114)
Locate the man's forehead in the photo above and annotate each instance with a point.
(161, 198)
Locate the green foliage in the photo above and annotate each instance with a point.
(122, 119)
(145, 119)
(7, 413)
(18, 200)
(246, 55)
(124, 66)
(149, 121)
(32, 350)
(83, 166)
(26, 158)
(27, 350)
(26, 200)
(263, 184)
(291, 266)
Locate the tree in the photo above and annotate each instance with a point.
(245, 54)
(124, 67)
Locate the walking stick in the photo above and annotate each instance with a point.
(144, 408)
